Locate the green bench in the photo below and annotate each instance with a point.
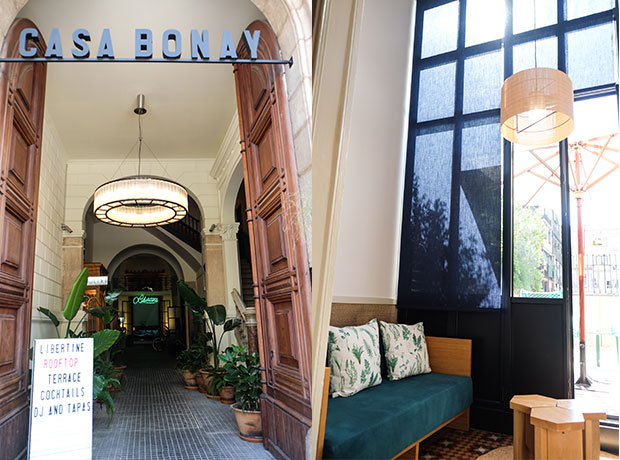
(391, 419)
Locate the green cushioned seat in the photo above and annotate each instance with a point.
(381, 421)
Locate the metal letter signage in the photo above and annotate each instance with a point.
(171, 49)
(61, 400)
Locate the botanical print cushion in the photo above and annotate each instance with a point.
(405, 350)
(354, 358)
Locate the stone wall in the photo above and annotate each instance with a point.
(48, 260)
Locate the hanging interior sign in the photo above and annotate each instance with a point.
(171, 46)
(143, 299)
(61, 399)
(97, 281)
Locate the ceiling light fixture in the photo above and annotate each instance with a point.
(537, 105)
(140, 200)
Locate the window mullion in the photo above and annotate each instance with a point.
(455, 193)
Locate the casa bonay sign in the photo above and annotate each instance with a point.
(84, 46)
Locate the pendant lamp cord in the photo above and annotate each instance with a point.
(535, 40)
(140, 142)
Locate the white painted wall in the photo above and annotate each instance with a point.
(110, 240)
(46, 291)
(366, 269)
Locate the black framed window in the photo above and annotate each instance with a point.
(451, 243)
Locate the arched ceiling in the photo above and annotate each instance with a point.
(91, 104)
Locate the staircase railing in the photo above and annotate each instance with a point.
(187, 230)
(241, 332)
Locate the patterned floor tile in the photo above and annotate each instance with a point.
(449, 444)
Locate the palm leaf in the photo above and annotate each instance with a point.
(76, 295)
(104, 339)
(189, 295)
(50, 315)
(232, 323)
(217, 313)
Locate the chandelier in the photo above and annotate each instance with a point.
(140, 200)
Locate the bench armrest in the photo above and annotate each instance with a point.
(449, 356)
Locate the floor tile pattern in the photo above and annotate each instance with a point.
(157, 418)
(449, 444)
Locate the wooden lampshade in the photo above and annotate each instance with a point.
(537, 107)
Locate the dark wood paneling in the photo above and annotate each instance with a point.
(280, 268)
(538, 349)
(22, 95)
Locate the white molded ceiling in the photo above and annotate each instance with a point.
(189, 105)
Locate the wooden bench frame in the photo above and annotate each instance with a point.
(447, 356)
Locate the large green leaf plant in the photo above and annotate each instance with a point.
(211, 316)
(102, 340)
(243, 373)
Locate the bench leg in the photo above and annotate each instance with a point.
(411, 454)
(462, 422)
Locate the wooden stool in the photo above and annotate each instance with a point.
(592, 433)
(558, 433)
(523, 431)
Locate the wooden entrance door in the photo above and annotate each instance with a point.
(22, 94)
(280, 267)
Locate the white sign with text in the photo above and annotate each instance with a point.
(97, 281)
(61, 401)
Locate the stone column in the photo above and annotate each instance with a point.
(72, 263)
(230, 256)
(215, 279)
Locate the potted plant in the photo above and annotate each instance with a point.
(211, 316)
(102, 340)
(190, 361)
(243, 373)
(214, 382)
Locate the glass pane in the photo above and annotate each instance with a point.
(440, 31)
(484, 76)
(480, 217)
(424, 250)
(436, 93)
(546, 55)
(579, 8)
(523, 14)
(591, 56)
(485, 21)
(537, 235)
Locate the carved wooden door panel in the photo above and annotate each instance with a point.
(22, 94)
(280, 266)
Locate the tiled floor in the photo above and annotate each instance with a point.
(157, 418)
(448, 444)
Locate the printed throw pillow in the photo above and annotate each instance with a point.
(405, 350)
(354, 358)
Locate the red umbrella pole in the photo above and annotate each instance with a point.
(583, 378)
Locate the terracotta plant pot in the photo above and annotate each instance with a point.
(250, 425)
(118, 371)
(227, 394)
(200, 381)
(190, 380)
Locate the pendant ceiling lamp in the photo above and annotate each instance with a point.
(140, 200)
(537, 105)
